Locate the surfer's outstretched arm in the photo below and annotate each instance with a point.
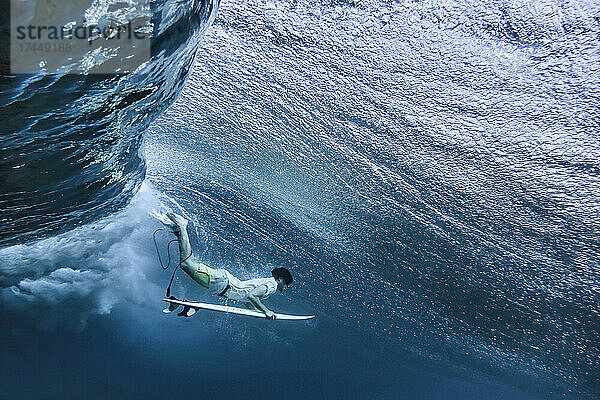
(254, 298)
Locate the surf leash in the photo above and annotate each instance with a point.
(168, 250)
(169, 259)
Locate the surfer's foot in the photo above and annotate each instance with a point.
(178, 221)
(166, 221)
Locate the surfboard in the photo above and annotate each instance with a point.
(228, 309)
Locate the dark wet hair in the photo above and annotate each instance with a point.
(281, 272)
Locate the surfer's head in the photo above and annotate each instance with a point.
(283, 278)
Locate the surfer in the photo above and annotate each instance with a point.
(220, 281)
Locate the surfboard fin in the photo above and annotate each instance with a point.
(187, 311)
(172, 306)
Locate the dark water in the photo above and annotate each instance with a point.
(429, 173)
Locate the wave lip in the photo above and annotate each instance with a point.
(70, 142)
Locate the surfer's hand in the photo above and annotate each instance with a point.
(270, 314)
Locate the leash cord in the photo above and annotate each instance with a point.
(168, 250)
(169, 259)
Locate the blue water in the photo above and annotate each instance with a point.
(70, 141)
(428, 172)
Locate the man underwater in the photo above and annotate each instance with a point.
(220, 281)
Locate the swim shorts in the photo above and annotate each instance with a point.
(201, 273)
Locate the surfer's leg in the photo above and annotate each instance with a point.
(180, 230)
(198, 271)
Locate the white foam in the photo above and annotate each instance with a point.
(85, 271)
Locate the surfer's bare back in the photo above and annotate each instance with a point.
(220, 281)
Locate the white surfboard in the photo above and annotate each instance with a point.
(233, 310)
